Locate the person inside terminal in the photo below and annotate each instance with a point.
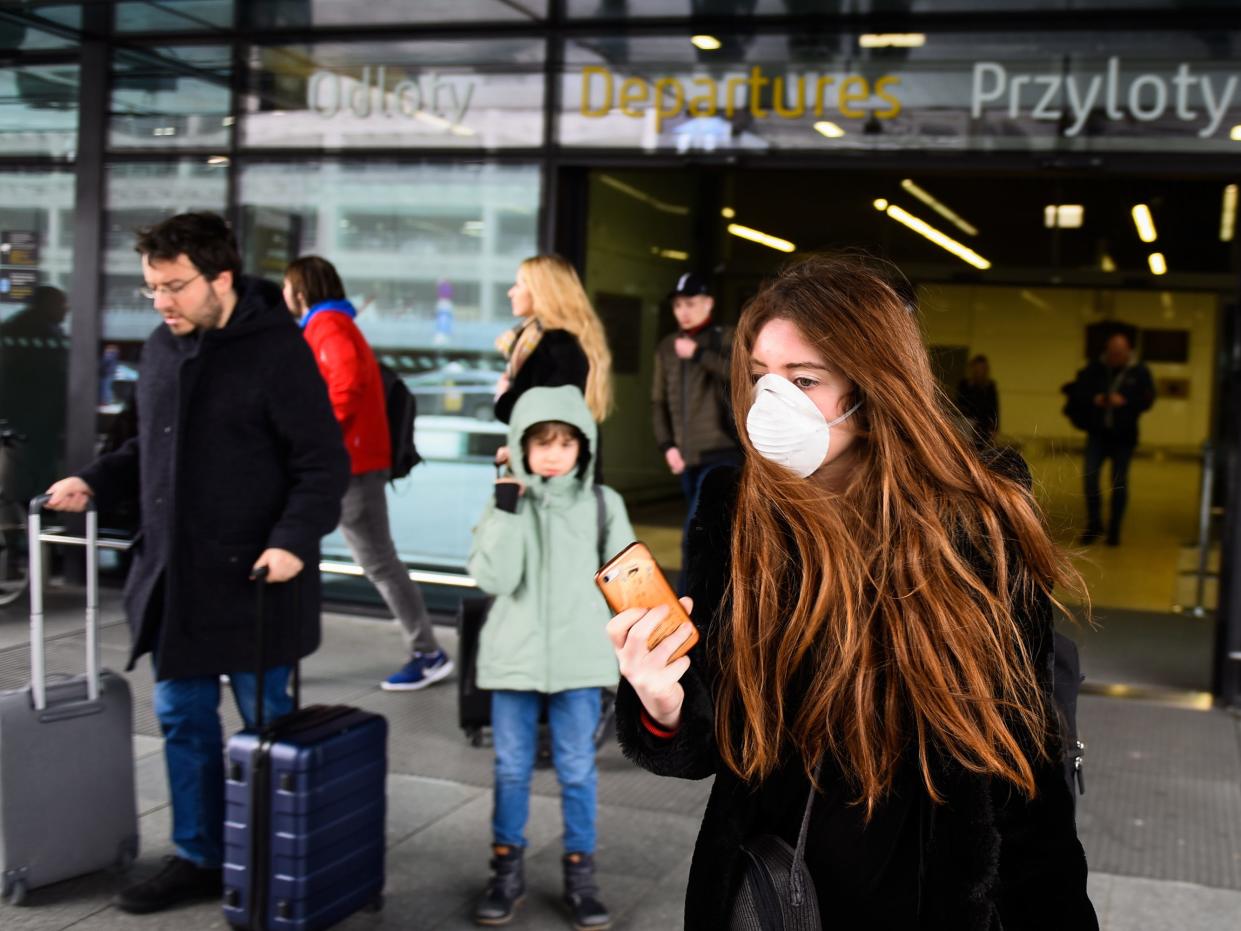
(616, 198)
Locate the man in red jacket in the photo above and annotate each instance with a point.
(315, 295)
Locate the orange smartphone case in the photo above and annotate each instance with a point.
(632, 579)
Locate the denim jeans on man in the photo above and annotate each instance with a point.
(189, 716)
(1099, 448)
(691, 485)
(364, 525)
(572, 717)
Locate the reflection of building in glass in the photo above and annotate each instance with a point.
(394, 232)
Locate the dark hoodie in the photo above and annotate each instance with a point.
(237, 451)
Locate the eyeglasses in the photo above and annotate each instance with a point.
(171, 290)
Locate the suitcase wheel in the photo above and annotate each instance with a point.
(16, 892)
(475, 736)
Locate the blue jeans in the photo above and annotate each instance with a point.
(189, 716)
(572, 717)
(1098, 450)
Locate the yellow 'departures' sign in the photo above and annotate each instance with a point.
(791, 96)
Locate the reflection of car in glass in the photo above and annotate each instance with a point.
(456, 390)
(124, 383)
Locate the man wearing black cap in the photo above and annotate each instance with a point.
(690, 407)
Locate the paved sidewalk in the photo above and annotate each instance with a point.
(1161, 821)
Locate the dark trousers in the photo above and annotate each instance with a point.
(691, 485)
(1100, 448)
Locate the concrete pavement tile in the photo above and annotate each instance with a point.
(151, 777)
(60, 904)
(661, 906)
(1099, 887)
(437, 872)
(203, 916)
(415, 802)
(644, 843)
(1161, 905)
(145, 746)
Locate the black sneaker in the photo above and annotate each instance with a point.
(178, 883)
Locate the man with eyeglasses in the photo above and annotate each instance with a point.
(238, 465)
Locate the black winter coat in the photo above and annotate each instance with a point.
(988, 860)
(237, 451)
(557, 360)
(1118, 424)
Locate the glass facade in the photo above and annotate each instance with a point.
(477, 94)
(427, 148)
(828, 92)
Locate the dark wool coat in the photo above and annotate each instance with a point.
(557, 360)
(1118, 424)
(237, 451)
(988, 860)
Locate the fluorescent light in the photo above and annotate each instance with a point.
(218, 160)
(829, 129)
(881, 204)
(1107, 263)
(892, 40)
(1235, 134)
(763, 239)
(1228, 214)
(1063, 216)
(1030, 297)
(941, 239)
(1157, 263)
(630, 191)
(1145, 223)
(728, 213)
(675, 254)
(939, 208)
(706, 43)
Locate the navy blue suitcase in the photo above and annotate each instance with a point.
(305, 808)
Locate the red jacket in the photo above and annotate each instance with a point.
(354, 387)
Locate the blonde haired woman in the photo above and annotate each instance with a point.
(558, 339)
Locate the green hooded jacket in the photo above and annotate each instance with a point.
(546, 630)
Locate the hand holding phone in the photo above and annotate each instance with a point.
(632, 579)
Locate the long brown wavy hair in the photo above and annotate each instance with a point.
(879, 619)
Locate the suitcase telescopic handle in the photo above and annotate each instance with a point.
(259, 576)
(38, 660)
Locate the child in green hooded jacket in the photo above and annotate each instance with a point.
(536, 549)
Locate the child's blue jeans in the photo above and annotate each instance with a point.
(571, 716)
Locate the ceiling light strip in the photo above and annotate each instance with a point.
(1158, 264)
(1228, 214)
(941, 239)
(1144, 222)
(763, 239)
(942, 209)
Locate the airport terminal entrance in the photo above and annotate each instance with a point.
(1032, 271)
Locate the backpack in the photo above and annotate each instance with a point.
(402, 409)
(1066, 682)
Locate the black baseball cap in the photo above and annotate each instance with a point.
(691, 284)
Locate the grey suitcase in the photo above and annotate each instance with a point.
(67, 804)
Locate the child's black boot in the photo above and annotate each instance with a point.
(581, 893)
(505, 890)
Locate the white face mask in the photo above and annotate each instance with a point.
(787, 429)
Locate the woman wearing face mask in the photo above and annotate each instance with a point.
(876, 609)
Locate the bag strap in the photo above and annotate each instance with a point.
(601, 515)
(799, 854)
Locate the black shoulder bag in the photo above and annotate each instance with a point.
(776, 891)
